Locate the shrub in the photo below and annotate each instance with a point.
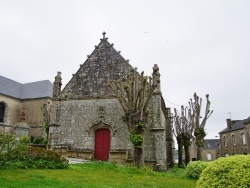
(41, 158)
(16, 153)
(12, 149)
(38, 140)
(233, 171)
(195, 168)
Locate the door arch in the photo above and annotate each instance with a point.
(102, 144)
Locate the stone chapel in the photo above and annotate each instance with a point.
(86, 120)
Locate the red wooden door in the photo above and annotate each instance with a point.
(102, 144)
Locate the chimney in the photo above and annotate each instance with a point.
(229, 124)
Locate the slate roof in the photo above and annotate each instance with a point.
(247, 120)
(236, 125)
(31, 90)
(211, 143)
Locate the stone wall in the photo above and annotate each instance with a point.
(77, 121)
(34, 115)
(233, 147)
(207, 153)
(34, 112)
(90, 81)
(12, 110)
(73, 124)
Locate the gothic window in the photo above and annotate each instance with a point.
(225, 140)
(243, 136)
(2, 110)
(233, 140)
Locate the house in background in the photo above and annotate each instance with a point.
(235, 138)
(20, 106)
(209, 152)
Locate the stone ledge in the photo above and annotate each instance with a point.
(118, 151)
(55, 125)
(158, 129)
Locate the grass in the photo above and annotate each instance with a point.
(95, 175)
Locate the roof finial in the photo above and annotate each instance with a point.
(104, 33)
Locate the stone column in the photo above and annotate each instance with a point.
(158, 127)
(160, 149)
(169, 139)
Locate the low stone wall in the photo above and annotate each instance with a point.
(82, 154)
(6, 128)
(118, 156)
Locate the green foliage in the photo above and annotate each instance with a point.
(200, 132)
(45, 141)
(195, 168)
(40, 158)
(140, 125)
(137, 139)
(12, 149)
(38, 140)
(46, 127)
(16, 153)
(233, 171)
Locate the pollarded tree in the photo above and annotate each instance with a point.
(188, 129)
(177, 130)
(199, 131)
(183, 130)
(134, 94)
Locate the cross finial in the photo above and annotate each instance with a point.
(104, 33)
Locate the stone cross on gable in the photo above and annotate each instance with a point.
(104, 33)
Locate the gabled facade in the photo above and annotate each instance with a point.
(20, 106)
(235, 139)
(209, 151)
(87, 120)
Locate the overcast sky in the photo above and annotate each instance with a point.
(199, 46)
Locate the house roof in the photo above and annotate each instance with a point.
(211, 143)
(236, 125)
(31, 90)
(247, 121)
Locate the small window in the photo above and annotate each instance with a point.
(2, 110)
(225, 140)
(209, 157)
(243, 136)
(233, 140)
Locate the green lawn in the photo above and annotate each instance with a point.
(94, 175)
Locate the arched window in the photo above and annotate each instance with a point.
(233, 140)
(225, 140)
(243, 136)
(2, 110)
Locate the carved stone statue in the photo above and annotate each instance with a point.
(46, 109)
(23, 115)
(57, 85)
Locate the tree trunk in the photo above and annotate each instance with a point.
(199, 152)
(138, 157)
(187, 154)
(199, 135)
(180, 147)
